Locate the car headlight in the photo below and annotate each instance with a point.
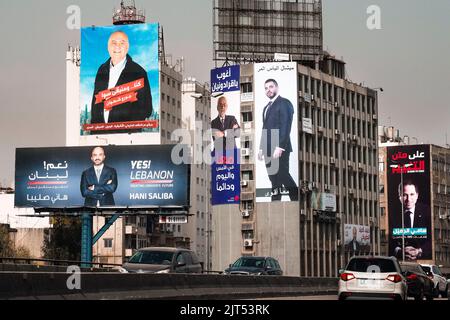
(163, 271)
(122, 270)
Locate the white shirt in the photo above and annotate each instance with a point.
(98, 173)
(114, 75)
(411, 216)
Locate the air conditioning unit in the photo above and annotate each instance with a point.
(355, 138)
(244, 183)
(338, 242)
(312, 97)
(327, 188)
(245, 213)
(332, 161)
(375, 117)
(351, 192)
(313, 185)
(300, 94)
(248, 243)
(337, 132)
(245, 152)
(302, 212)
(338, 215)
(361, 166)
(336, 105)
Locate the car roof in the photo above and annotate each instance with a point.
(373, 257)
(413, 264)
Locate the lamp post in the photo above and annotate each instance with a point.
(403, 215)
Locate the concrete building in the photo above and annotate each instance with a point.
(27, 232)
(339, 157)
(196, 119)
(440, 194)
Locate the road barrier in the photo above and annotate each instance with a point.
(118, 286)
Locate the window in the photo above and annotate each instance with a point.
(247, 116)
(246, 87)
(163, 78)
(108, 243)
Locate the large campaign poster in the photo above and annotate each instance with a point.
(120, 86)
(225, 135)
(276, 125)
(356, 238)
(409, 203)
(100, 177)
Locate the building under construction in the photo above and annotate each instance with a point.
(254, 30)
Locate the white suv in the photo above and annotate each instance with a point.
(440, 282)
(372, 278)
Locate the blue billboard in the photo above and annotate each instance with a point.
(100, 177)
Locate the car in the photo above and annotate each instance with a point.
(440, 282)
(163, 260)
(419, 283)
(372, 278)
(255, 266)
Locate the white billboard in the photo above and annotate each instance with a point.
(276, 131)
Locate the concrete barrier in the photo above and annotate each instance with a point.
(116, 286)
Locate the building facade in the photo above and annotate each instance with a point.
(337, 156)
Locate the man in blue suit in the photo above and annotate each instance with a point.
(99, 182)
(275, 144)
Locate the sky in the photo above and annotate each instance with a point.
(409, 58)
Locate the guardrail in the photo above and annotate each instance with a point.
(115, 286)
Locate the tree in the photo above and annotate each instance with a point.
(63, 241)
(6, 245)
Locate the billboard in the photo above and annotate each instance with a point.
(356, 238)
(119, 79)
(276, 125)
(100, 177)
(225, 130)
(409, 205)
(323, 201)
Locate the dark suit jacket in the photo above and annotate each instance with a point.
(422, 218)
(279, 116)
(131, 111)
(103, 191)
(350, 246)
(229, 122)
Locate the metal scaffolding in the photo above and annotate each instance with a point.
(248, 31)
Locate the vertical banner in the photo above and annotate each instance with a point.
(119, 88)
(225, 130)
(410, 203)
(276, 136)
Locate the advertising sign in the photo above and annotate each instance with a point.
(276, 125)
(119, 88)
(357, 238)
(323, 201)
(225, 128)
(409, 203)
(100, 177)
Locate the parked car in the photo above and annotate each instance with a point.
(163, 260)
(372, 278)
(440, 282)
(419, 283)
(255, 266)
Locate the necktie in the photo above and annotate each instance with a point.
(222, 120)
(266, 109)
(409, 214)
(98, 172)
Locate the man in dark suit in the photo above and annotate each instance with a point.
(275, 144)
(120, 70)
(416, 215)
(354, 246)
(99, 182)
(225, 128)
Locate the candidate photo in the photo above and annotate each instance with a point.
(99, 182)
(225, 128)
(118, 70)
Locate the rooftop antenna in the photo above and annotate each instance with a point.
(128, 14)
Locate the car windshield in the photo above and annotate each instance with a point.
(371, 265)
(248, 262)
(152, 257)
(426, 269)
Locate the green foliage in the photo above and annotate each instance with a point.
(63, 241)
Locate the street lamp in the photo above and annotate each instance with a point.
(403, 216)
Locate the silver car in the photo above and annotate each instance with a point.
(372, 278)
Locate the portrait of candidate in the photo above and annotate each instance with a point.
(99, 182)
(354, 246)
(416, 215)
(225, 127)
(275, 146)
(120, 69)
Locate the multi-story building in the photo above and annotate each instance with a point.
(196, 119)
(338, 156)
(439, 188)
